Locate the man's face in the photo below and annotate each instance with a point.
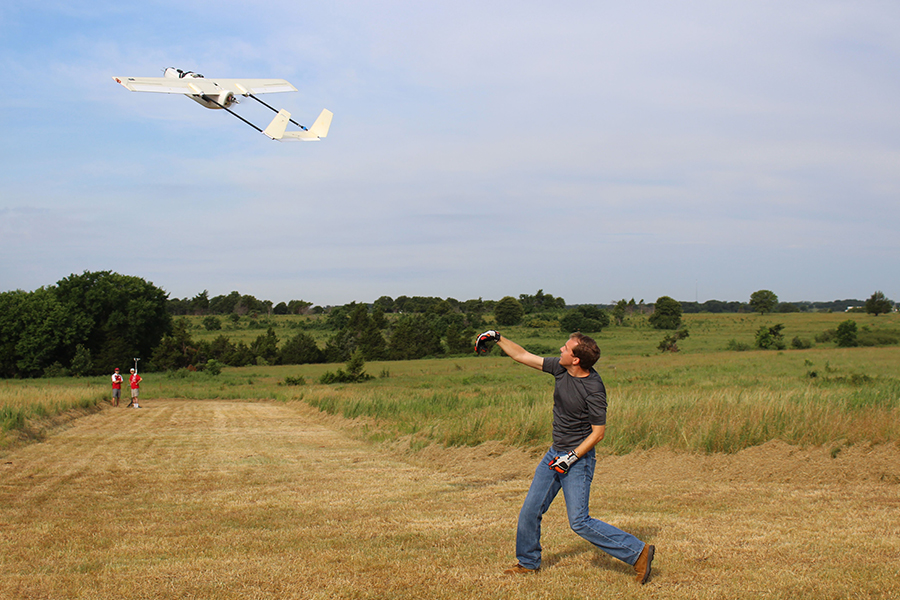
(566, 358)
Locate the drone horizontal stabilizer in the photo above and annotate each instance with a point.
(319, 129)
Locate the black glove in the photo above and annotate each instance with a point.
(562, 464)
(481, 344)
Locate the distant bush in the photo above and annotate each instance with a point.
(670, 342)
(770, 338)
(846, 334)
(508, 311)
(737, 346)
(355, 372)
(294, 381)
(799, 343)
(213, 367)
(541, 349)
(867, 337)
(56, 370)
(539, 323)
(585, 318)
(826, 336)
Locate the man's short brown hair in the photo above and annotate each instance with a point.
(587, 351)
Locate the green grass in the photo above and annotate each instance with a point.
(702, 399)
(26, 405)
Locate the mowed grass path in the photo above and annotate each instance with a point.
(229, 499)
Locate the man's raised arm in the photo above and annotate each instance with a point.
(512, 349)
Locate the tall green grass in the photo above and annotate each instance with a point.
(25, 403)
(703, 399)
(738, 401)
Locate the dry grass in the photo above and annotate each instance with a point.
(28, 408)
(221, 500)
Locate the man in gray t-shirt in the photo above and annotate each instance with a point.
(579, 423)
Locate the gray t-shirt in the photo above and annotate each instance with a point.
(578, 403)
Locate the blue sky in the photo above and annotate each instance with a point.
(595, 150)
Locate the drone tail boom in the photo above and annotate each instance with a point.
(319, 129)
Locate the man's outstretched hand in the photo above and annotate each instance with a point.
(481, 344)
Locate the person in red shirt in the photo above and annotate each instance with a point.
(135, 388)
(116, 387)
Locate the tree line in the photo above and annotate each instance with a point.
(86, 324)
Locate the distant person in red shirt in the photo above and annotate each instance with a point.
(135, 388)
(116, 387)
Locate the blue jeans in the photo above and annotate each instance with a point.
(576, 487)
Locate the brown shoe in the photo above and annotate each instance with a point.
(642, 566)
(520, 570)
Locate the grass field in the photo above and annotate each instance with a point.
(702, 399)
(709, 332)
(752, 477)
(245, 500)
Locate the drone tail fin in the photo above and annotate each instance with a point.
(323, 124)
(319, 129)
(276, 128)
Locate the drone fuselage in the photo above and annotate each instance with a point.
(223, 99)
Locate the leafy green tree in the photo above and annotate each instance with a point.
(199, 304)
(787, 307)
(878, 304)
(670, 342)
(385, 303)
(358, 330)
(620, 311)
(540, 302)
(475, 307)
(298, 307)
(176, 350)
(763, 301)
(266, 347)
(846, 334)
(508, 311)
(414, 337)
(82, 363)
(126, 315)
(213, 367)
(339, 316)
(666, 314)
(37, 331)
(585, 318)
(371, 342)
(221, 349)
(378, 318)
(212, 323)
(242, 355)
(224, 305)
(770, 338)
(300, 350)
(460, 341)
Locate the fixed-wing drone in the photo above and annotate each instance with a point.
(222, 93)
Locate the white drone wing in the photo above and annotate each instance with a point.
(202, 85)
